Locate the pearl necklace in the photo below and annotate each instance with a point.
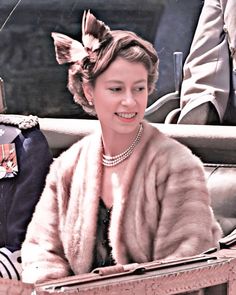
(110, 161)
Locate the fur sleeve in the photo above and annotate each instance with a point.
(187, 226)
(42, 252)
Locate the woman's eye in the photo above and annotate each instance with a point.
(139, 89)
(115, 89)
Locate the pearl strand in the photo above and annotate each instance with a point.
(111, 161)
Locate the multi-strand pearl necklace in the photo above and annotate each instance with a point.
(110, 161)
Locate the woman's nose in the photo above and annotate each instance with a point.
(128, 99)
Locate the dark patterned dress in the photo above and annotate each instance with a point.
(102, 250)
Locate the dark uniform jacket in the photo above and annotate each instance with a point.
(19, 194)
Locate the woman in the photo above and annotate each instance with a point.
(125, 194)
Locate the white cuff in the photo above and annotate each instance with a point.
(10, 264)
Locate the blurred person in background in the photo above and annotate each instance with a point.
(209, 76)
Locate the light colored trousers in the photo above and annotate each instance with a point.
(210, 68)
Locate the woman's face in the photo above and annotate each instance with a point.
(120, 95)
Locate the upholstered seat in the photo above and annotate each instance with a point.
(221, 180)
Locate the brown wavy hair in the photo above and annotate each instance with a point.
(118, 43)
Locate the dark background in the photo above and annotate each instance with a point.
(36, 84)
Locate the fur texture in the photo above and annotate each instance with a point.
(162, 209)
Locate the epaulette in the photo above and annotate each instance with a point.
(19, 121)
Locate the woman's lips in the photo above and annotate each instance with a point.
(126, 115)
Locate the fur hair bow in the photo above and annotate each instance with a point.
(94, 34)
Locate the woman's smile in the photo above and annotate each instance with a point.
(126, 116)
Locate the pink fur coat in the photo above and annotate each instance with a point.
(161, 210)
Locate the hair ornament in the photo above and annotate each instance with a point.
(67, 49)
(94, 34)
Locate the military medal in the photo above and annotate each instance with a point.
(2, 172)
(8, 160)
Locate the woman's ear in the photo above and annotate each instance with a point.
(88, 91)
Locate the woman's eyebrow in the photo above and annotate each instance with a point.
(121, 82)
(140, 81)
(114, 81)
